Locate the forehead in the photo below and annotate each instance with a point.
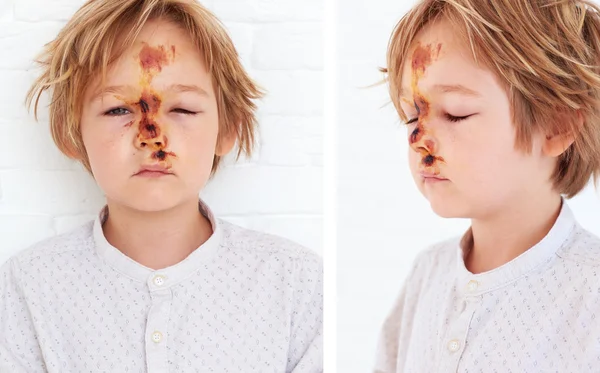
(451, 60)
(164, 44)
(162, 55)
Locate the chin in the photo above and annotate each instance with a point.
(152, 204)
(150, 199)
(448, 207)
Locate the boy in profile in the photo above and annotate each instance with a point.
(502, 103)
(148, 96)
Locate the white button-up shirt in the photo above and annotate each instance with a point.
(538, 313)
(242, 302)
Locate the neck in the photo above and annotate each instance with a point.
(156, 239)
(503, 236)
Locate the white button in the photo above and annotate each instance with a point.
(157, 336)
(454, 345)
(472, 285)
(159, 280)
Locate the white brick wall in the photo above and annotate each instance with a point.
(383, 221)
(279, 190)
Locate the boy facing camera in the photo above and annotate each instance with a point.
(149, 96)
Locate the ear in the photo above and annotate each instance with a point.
(557, 143)
(225, 144)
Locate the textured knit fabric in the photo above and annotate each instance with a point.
(538, 313)
(242, 302)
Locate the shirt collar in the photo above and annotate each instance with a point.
(539, 254)
(161, 278)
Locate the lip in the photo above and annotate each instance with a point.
(155, 170)
(431, 178)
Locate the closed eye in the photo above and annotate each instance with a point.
(184, 111)
(412, 120)
(453, 118)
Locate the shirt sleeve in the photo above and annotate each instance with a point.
(19, 348)
(306, 342)
(389, 338)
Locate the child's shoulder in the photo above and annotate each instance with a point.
(582, 247)
(254, 242)
(77, 239)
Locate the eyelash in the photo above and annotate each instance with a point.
(449, 117)
(452, 118)
(111, 113)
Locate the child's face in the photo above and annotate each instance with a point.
(159, 110)
(462, 141)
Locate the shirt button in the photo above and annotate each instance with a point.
(159, 280)
(157, 336)
(453, 345)
(472, 285)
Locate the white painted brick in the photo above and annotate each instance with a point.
(6, 10)
(22, 42)
(290, 141)
(268, 10)
(19, 231)
(306, 230)
(12, 100)
(292, 92)
(55, 10)
(241, 35)
(49, 192)
(30, 147)
(64, 224)
(265, 190)
(287, 46)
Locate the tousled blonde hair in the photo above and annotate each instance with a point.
(101, 30)
(547, 55)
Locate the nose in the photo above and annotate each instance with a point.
(422, 141)
(150, 136)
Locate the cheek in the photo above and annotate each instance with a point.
(483, 155)
(197, 140)
(105, 143)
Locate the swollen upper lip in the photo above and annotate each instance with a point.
(154, 168)
(432, 176)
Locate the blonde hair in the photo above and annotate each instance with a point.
(547, 55)
(101, 30)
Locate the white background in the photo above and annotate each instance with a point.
(278, 190)
(383, 221)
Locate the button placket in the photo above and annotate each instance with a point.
(157, 325)
(472, 286)
(157, 336)
(159, 280)
(454, 345)
(454, 341)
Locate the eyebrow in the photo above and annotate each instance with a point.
(176, 88)
(449, 88)
(179, 88)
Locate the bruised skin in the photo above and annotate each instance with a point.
(421, 58)
(150, 133)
